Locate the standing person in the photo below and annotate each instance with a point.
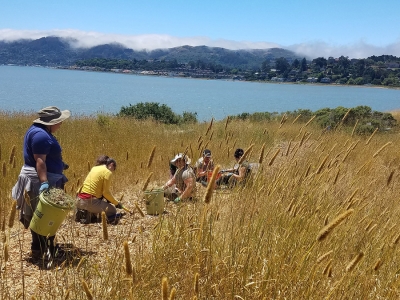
(95, 196)
(238, 174)
(203, 165)
(184, 178)
(43, 168)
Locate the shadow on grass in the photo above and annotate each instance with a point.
(67, 255)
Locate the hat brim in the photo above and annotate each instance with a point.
(187, 160)
(65, 114)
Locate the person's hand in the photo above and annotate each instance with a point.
(44, 187)
(119, 205)
(177, 199)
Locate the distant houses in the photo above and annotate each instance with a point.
(325, 80)
(278, 79)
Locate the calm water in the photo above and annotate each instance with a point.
(31, 88)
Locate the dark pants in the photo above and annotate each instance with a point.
(42, 243)
(227, 180)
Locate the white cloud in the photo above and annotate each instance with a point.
(356, 50)
(158, 41)
(88, 39)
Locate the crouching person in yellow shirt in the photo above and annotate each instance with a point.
(95, 196)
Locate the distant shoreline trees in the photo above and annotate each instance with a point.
(381, 70)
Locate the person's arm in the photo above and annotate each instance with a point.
(189, 183)
(106, 189)
(41, 168)
(201, 173)
(242, 173)
(169, 183)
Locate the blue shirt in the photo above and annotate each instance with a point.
(38, 141)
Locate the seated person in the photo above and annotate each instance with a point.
(95, 196)
(170, 192)
(184, 179)
(203, 165)
(238, 174)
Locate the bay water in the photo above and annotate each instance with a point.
(28, 89)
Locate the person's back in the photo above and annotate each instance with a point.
(183, 174)
(245, 164)
(94, 181)
(95, 190)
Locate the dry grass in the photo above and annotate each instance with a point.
(253, 242)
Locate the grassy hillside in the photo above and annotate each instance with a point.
(318, 221)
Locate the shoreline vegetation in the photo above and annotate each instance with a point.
(381, 70)
(318, 219)
(231, 79)
(204, 78)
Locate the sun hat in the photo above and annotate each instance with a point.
(52, 115)
(181, 155)
(207, 153)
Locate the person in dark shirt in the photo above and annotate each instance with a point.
(43, 168)
(238, 174)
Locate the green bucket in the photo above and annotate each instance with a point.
(48, 217)
(154, 201)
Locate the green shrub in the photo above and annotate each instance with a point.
(103, 120)
(156, 111)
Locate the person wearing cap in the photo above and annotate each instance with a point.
(203, 165)
(95, 196)
(238, 174)
(184, 178)
(43, 168)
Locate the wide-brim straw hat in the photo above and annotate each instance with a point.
(52, 115)
(181, 155)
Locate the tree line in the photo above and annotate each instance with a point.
(375, 70)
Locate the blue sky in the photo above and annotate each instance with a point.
(355, 28)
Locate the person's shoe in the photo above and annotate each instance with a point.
(114, 219)
(82, 216)
(94, 218)
(36, 255)
(57, 253)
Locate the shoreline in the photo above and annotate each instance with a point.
(222, 79)
(209, 99)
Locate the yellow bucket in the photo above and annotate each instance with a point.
(48, 217)
(154, 201)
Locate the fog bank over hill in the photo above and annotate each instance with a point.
(57, 51)
(310, 49)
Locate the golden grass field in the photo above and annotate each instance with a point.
(320, 220)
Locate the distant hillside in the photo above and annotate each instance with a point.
(55, 51)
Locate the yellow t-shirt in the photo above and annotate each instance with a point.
(97, 183)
